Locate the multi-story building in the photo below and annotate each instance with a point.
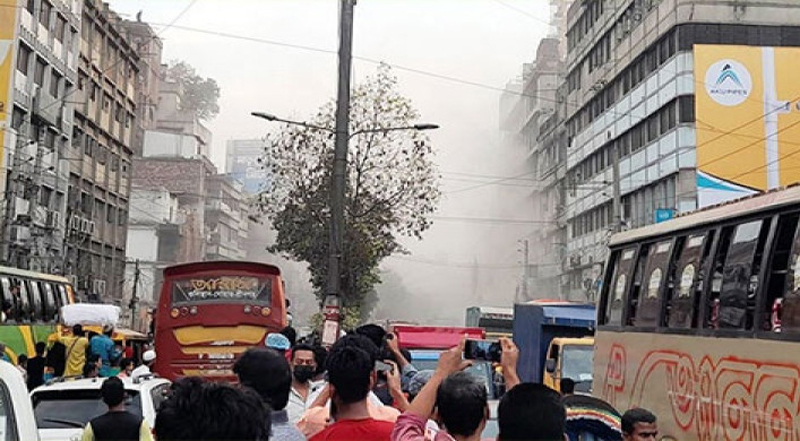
(100, 154)
(243, 161)
(148, 81)
(630, 97)
(40, 50)
(225, 218)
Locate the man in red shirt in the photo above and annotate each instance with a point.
(351, 374)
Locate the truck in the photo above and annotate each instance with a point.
(555, 341)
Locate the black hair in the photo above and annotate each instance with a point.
(531, 412)
(303, 348)
(22, 359)
(113, 391)
(349, 371)
(320, 355)
(77, 330)
(268, 373)
(361, 342)
(290, 334)
(197, 410)
(88, 368)
(92, 358)
(375, 333)
(567, 386)
(125, 362)
(40, 348)
(461, 401)
(636, 415)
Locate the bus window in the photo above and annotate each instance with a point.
(615, 296)
(20, 300)
(638, 280)
(50, 306)
(61, 296)
(711, 312)
(648, 310)
(780, 274)
(35, 296)
(684, 275)
(740, 276)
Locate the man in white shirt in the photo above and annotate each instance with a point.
(303, 392)
(148, 358)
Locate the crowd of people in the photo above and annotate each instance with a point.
(291, 391)
(80, 354)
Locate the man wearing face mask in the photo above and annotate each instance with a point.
(304, 367)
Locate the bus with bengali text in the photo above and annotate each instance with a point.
(31, 302)
(211, 312)
(699, 321)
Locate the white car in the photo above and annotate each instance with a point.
(62, 408)
(16, 414)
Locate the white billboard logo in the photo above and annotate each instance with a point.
(728, 82)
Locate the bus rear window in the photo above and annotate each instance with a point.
(223, 289)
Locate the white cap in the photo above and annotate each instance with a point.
(149, 355)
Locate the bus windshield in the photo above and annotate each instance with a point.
(223, 289)
(577, 362)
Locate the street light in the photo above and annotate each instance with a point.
(332, 301)
(273, 118)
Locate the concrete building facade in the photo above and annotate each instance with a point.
(630, 89)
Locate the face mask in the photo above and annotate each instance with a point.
(303, 373)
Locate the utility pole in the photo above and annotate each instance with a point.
(134, 292)
(617, 204)
(339, 178)
(32, 189)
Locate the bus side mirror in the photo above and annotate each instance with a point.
(550, 365)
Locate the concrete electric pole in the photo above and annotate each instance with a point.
(339, 180)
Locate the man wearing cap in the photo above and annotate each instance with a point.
(103, 347)
(148, 358)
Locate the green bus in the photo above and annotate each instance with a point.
(32, 315)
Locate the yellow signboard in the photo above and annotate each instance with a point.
(8, 28)
(747, 118)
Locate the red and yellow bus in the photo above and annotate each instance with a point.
(699, 321)
(211, 312)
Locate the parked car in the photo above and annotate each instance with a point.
(18, 423)
(63, 407)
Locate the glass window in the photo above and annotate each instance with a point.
(44, 15)
(35, 295)
(38, 74)
(23, 58)
(49, 306)
(740, 276)
(783, 279)
(55, 82)
(648, 309)
(615, 292)
(685, 282)
(71, 409)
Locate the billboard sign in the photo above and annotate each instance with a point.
(247, 170)
(747, 118)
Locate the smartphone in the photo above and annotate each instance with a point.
(482, 350)
(381, 366)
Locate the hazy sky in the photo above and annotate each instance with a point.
(477, 41)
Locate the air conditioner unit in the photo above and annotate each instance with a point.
(99, 287)
(20, 234)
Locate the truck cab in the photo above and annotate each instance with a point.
(570, 358)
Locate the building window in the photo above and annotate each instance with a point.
(111, 217)
(59, 28)
(55, 81)
(30, 5)
(23, 58)
(44, 16)
(686, 109)
(88, 146)
(38, 74)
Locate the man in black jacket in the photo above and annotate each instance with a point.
(117, 424)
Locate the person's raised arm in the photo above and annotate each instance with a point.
(508, 361)
(395, 388)
(449, 362)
